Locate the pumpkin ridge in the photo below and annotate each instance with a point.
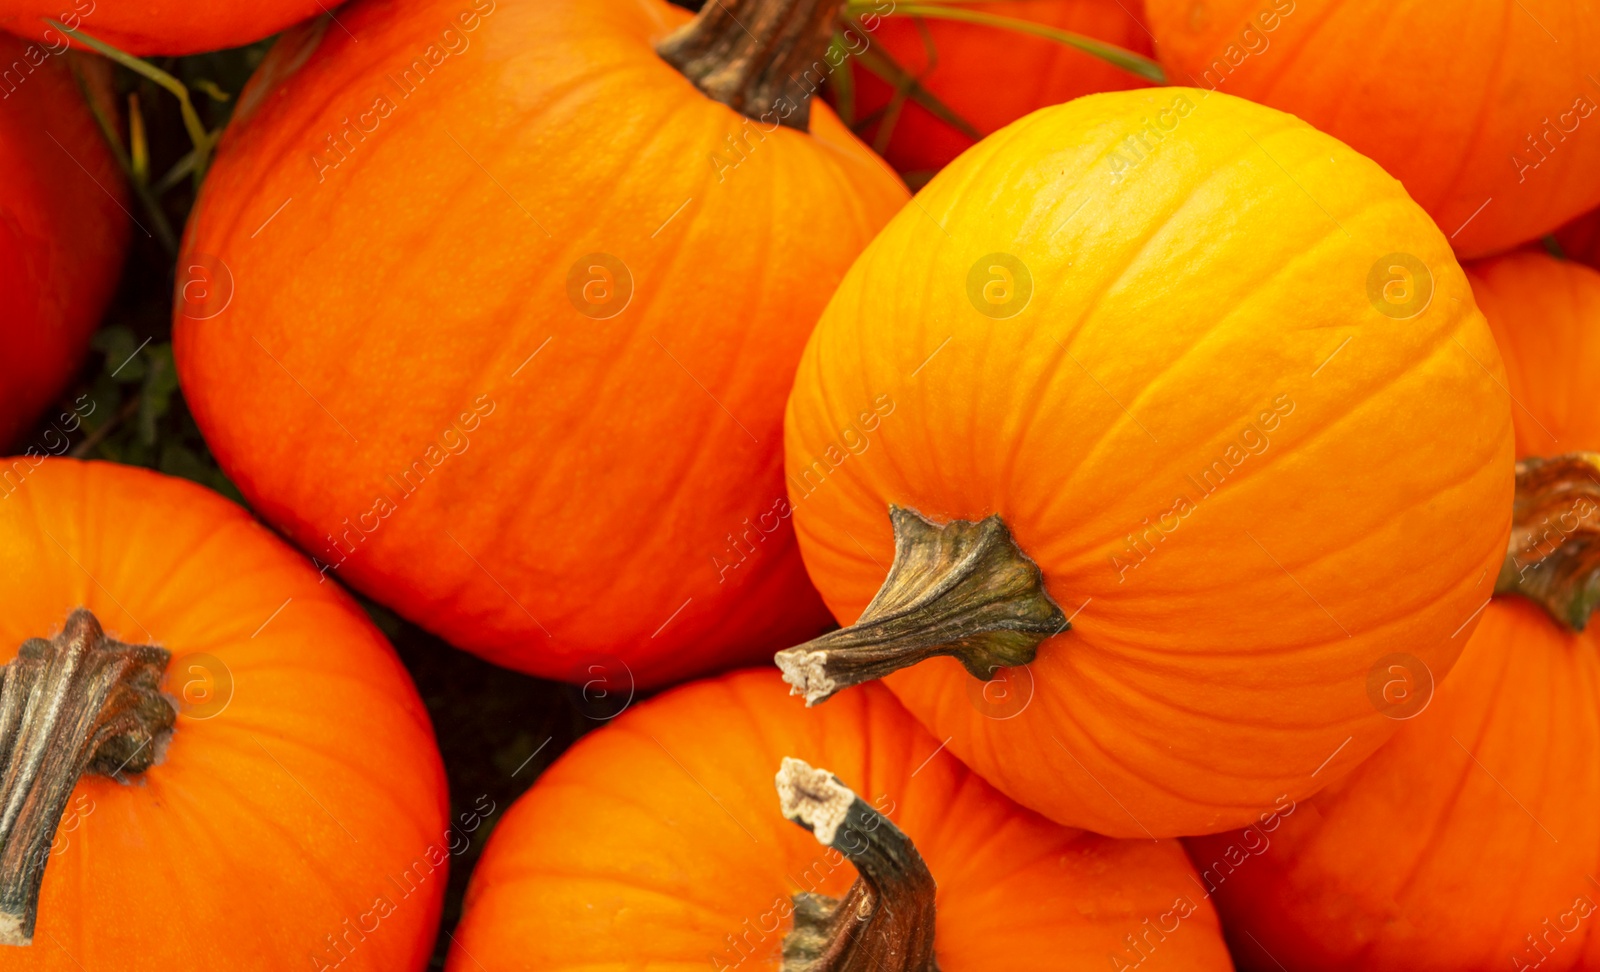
(1306, 44)
(1532, 838)
(1127, 408)
(1090, 742)
(1111, 282)
(198, 814)
(525, 873)
(1402, 371)
(229, 230)
(1481, 119)
(377, 783)
(1093, 302)
(1446, 808)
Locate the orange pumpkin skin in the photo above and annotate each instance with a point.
(1580, 239)
(1463, 103)
(589, 485)
(157, 26)
(991, 77)
(63, 232)
(657, 842)
(1475, 825)
(1225, 618)
(315, 791)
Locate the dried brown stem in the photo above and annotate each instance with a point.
(885, 922)
(960, 588)
(1553, 558)
(78, 702)
(762, 58)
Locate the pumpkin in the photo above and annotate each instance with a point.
(1125, 380)
(658, 841)
(1580, 239)
(1470, 840)
(1426, 90)
(154, 26)
(537, 409)
(63, 233)
(989, 77)
(262, 786)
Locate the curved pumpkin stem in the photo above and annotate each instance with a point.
(1553, 558)
(961, 588)
(80, 701)
(885, 922)
(762, 58)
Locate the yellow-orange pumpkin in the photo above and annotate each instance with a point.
(1470, 841)
(658, 842)
(1216, 388)
(295, 817)
(1486, 111)
(500, 314)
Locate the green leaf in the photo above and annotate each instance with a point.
(844, 82)
(108, 131)
(198, 135)
(123, 361)
(890, 71)
(155, 399)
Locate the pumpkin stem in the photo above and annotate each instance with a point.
(885, 922)
(961, 588)
(762, 58)
(1553, 558)
(80, 701)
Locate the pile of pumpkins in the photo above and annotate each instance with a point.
(1214, 461)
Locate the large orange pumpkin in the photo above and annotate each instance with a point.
(156, 26)
(1486, 111)
(989, 76)
(295, 816)
(658, 842)
(1174, 375)
(63, 232)
(494, 313)
(1470, 841)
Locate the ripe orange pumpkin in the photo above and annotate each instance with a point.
(1470, 840)
(537, 409)
(1162, 385)
(156, 26)
(63, 233)
(988, 76)
(1580, 239)
(1485, 111)
(296, 814)
(658, 842)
